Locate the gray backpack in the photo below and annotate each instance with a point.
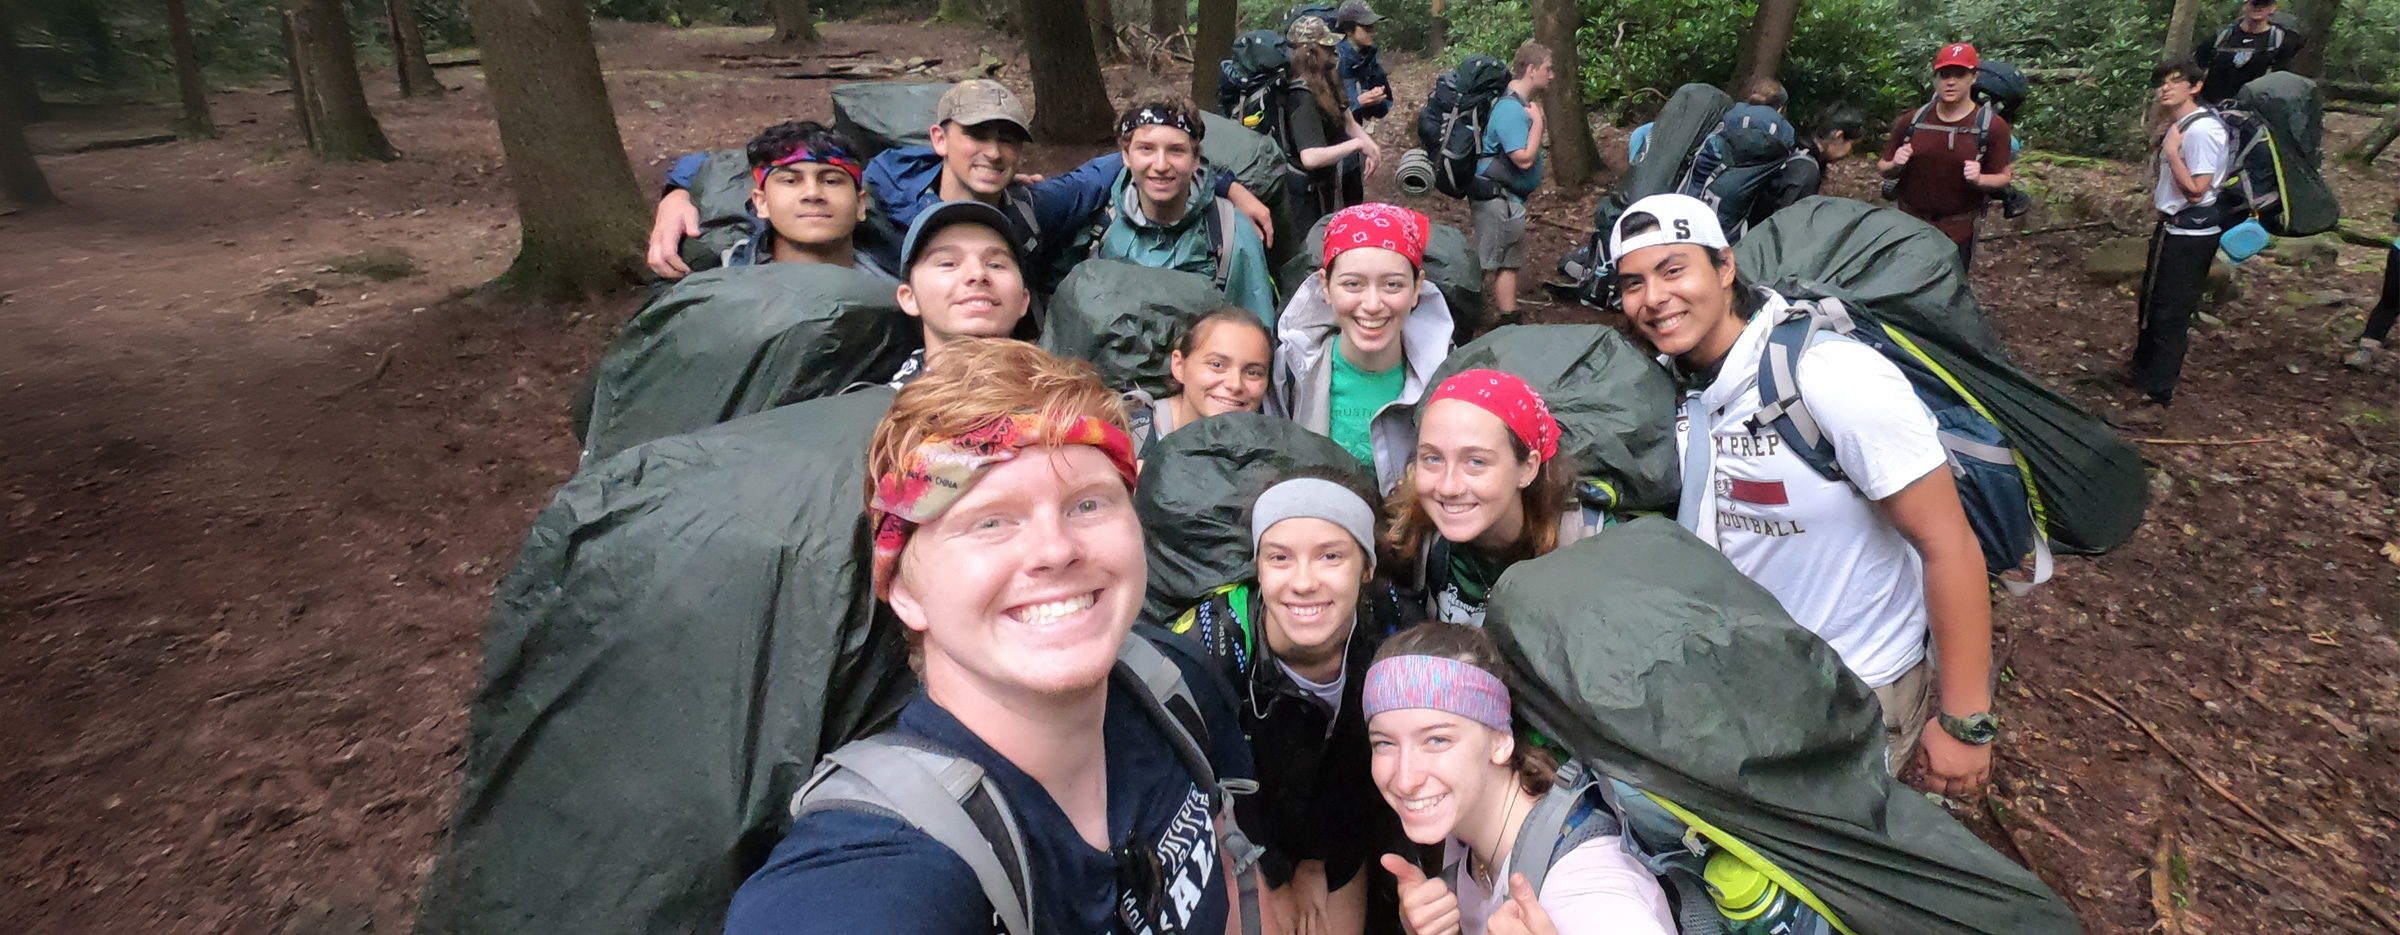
(953, 801)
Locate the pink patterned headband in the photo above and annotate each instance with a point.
(1440, 683)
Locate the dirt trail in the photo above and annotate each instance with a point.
(255, 508)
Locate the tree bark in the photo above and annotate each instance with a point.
(1770, 33)
(189, 82)
(17, 74)
(1166, 19)
(958, 13)
(339, 126)
(793, 24)
(1070, 99)
(2373, 144)
(21, 177)
(1437, 30)
(1103, 17)
(1212, 42)
(408, 51)
(2178, 43)
(580, 214)
(2317, 18)
(1574, 157)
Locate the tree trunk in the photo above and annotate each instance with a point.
(339, 126)
(2376, 139)
(793, 24)
(188, 80)
(1212, 42)
(2178, 44)
(2316, 26)
(1103, 17)
(1166, 19)
(1437, 30)
(1770, 32)
(408, 51)
(21, 177)
(581, 216)
(958, 13)
(1573, 154)
(1070, 99)
(16, 72)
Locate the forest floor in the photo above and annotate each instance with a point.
(261, 473)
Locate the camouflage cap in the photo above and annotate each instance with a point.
(982, 100)
(1311, 30)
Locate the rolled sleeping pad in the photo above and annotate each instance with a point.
(1414, 172)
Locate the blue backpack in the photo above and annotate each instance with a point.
(1995, 483)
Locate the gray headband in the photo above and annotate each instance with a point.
(1315, 498)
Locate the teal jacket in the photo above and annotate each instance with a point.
(1189, 244)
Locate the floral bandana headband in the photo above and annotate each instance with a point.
(1140, 117)
(799, 154)
(1436, 682)
(1513, 400)
(943, 468)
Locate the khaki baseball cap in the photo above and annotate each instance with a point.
(982, 100)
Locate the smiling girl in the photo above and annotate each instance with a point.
(1446, 759)
(1486, 489)
(1363, 336)
(1219, 365)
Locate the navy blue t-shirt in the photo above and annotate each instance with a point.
(854, 873)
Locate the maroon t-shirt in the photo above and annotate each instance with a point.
(1933, 185)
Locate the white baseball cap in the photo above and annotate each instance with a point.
(1681, 219)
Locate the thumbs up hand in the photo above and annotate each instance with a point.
(1522, 914)
(1427, 907)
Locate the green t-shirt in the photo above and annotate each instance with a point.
(1357, 397)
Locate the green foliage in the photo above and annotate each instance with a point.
(1405, 25)
(2366, 42)
(120, 48)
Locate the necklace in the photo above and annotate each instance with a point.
(1481, 867)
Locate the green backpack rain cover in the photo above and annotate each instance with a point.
(1614, 404)
(2089, 483)
(730, 342)
(721, 193)
(881, 115)
(1195, 493)
(1124, 318)
(2281, 174)
(1449, 262)
(1646, 653)
(688, 627)
(1253, 158)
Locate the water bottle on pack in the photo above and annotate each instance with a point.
(1755, 905)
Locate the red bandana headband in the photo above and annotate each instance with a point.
(799, 154)
(1390, 227)
(1510, 398)
(942, 468)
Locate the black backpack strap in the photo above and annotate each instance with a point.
(940, 793)
(1780, 405)
(1220, 220)
(1167, 698)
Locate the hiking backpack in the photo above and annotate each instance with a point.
(1247, 83)
(1738, 160)
(1995, 484)
(951, 800)
(1324, 11)
(1450, 126)
(2272, 162)
(2001, 85)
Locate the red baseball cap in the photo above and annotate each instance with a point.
(1957, 54)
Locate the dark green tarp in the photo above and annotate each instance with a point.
(1688, 117)
(2294, 111)
(1614, 404)
(685, 632)
(729, 342)
(1252, 158)
(1124, 318)
(1645, 652)
(1905, 273)
(1195, 494)
(1449, 262)
(721, 193)
(881, 115)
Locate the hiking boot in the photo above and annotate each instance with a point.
(2014, 202)
(2364, 357)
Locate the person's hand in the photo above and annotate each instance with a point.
(1372, 153)
(1308, 899)
(1974, 174)
(1900, 158)
(1261, 217)
(1374, 96)
(1427, 907)
(1951, 767)
(2173, 141)
(1522, 914)
(1030, 178)
(677, 218)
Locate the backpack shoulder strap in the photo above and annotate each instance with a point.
(1781, 407)
(1167, 698)
(944, 795)
(1983, 131)
(1221, 218)
(1546, 835)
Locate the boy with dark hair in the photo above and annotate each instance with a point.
(1830, 141)
(805, 184)
(1512, 147)
(1933, 152)
(2254, 45)
(2192, 157)
(1364, 83)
